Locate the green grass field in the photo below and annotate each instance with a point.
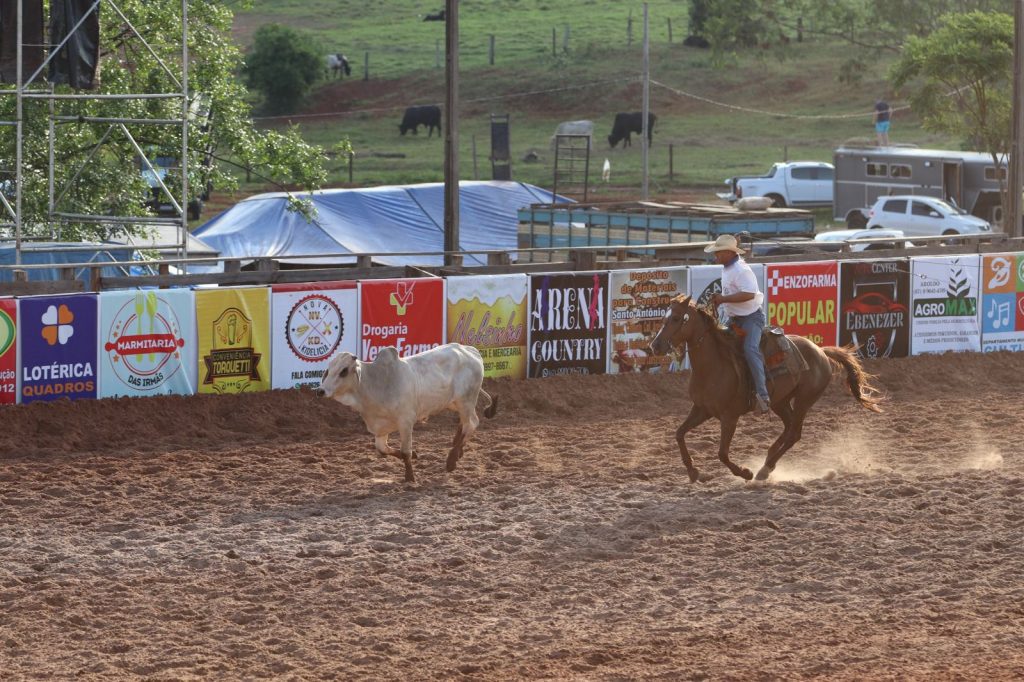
(597, 77)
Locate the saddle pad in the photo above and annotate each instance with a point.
(781, 356)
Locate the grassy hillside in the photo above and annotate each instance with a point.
(739, 132)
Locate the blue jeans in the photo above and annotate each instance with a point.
(753, 325)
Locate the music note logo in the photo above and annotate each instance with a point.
(999, 314)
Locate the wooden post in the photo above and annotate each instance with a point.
(554, 41)
(645, 123)
(669, 30)
(785, 152)
(565, 40)
(799, 29)
(437, 53)
(366, 65)
(1012, 213)
(94, 278)
(451, 138)
(671, 161)
(20, 275)
(67, 274)
(499, 258)
(490, 52)
(364, 262)
(629, 29)
(232, 266)
(164, 270)
(351, 157)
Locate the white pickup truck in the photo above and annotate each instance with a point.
(793, 183)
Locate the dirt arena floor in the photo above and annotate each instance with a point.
(259, 536)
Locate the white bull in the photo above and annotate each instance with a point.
(574, 128)
(393, 393)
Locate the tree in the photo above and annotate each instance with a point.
(283, 64)
(960, 80)
(93, 178)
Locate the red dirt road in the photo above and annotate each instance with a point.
(259, 536)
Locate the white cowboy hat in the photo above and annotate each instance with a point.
(725, 242)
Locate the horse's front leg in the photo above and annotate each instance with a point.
(728, 429)
(698, 415)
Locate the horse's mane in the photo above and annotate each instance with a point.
(717, 331)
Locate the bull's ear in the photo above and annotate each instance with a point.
(343, 373)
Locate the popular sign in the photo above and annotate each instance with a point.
(8, 351)
(1002, 305)
(233, 328)
(639, 300)
(58, 347)
(802, 299)
(568, 325)
(874, 301)
(945, 304)
(405, 313)
(312, 323)
(148, 344)
(489, 313)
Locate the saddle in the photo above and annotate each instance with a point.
(781, 356)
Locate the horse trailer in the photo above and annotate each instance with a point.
(966, 179)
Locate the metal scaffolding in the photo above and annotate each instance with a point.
(34, 87)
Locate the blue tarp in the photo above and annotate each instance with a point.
(59, 253)
(399, 218)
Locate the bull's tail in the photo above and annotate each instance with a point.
(857, 379)
(491, 408)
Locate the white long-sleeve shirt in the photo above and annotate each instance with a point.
(739, 277)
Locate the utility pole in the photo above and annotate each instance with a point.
(1015, 164)
(451, 129)
(647, 105)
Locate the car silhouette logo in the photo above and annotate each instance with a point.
(874, 302)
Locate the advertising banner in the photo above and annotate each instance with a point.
(706, 281)
(944, 304)
(638, 302)
(874, 307)
(1002, 304)
(405, 313)
(489, 313)
(147, 343)
(58, 347)
(802, 299)
(311, 324)
(8, 351)
(233, 329)
(568, 324)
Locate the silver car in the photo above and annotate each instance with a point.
(919, 216)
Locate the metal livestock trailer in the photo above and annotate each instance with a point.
(968, 179)
(620, 224)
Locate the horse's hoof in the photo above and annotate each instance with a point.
(763, 474)
(451, 462)
(746, 474)
(693, 475)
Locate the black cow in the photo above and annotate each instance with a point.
(427, 115)
(626, 124)
(436, 16)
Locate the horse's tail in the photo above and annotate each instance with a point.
(857, 379)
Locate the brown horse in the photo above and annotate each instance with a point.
(718, 390)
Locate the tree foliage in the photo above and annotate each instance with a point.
(92, 178)
(283, 65)
(959, 79)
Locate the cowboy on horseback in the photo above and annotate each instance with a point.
(741, 301)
